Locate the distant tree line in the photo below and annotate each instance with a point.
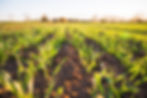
(135, 19)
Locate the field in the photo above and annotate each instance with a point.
(73, 60)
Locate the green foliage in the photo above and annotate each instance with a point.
(125, 41)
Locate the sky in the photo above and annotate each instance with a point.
(82, 9)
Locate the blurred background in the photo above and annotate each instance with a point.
(73, 49)
(112, 10)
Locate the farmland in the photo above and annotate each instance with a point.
(73, 60)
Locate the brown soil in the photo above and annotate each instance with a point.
(139, 54)
(5, 94)
(72, 76)
(96, 46)
(11, 67)
(7, 37)
(48, 37)
(106, 60)
(111, 63)
(25, 53)
(142, 93)
(137, 49)
(40, 84)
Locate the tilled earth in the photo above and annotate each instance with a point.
(72, 76)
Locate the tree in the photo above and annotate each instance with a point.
(137, 19)
(44, 18)
(62, 19)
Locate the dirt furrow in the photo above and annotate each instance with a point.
(11, 66)
(106, 60)
(72, 76)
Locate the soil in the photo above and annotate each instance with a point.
(40, 84)
(106, 60)
(96, 46)
(11, 67)
(139, 52)
(25, 53)
(48, 37)
(111, 63)
(72, 76)
(7, 37)
(142, 92)
(6, 94)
